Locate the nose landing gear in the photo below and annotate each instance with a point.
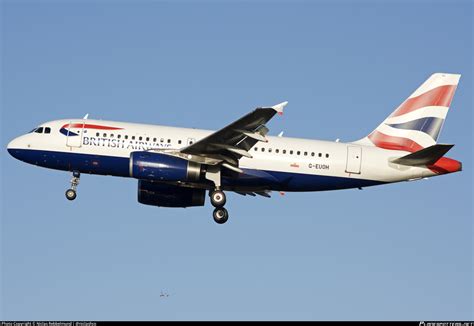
(71, 192)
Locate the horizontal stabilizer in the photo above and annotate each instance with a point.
(426, 156)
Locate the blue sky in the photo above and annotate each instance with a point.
(401, 251)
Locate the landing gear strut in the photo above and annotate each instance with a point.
(218, 200)
(71, 192)
(217, 196)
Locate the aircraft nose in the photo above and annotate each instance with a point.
(13, 148)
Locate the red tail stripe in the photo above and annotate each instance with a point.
(89, 126)
(446, 165)
(395, 143)
(439, 96)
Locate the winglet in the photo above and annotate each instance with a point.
(279, 107)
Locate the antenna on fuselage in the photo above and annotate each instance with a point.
(86, 116)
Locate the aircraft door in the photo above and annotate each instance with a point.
(74, 132)
(354, 159)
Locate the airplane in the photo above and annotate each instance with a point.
(176, 167)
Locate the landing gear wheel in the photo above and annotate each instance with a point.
(220, 215)
(217, 198)
(71, 194)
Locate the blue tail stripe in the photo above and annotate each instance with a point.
(429, 125)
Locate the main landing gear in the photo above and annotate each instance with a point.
(71, 192)
(218, 199)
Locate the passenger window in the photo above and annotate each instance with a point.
(169, 141)
(320, 154)
(327, 155)
(305, 153)
(111, 135)
(298, 153)
(105, 135)
(291, 152)
(284, 151)
(277, 151)
(263, 149)
(97, 134)
(179, 141)
(140, 138)
(47, 130)
(118, 136)
(39, 130)
(269, 150)
(133, 137)
(312, 153)
(126, 136)
(154, 140)
(256, 148)
(162, 140)
(148, 139)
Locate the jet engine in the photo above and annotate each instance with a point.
(163, 167)
(164, 195)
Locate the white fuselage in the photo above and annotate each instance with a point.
(281, 155)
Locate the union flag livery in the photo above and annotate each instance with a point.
(417, 122)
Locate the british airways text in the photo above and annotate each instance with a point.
(121, 143)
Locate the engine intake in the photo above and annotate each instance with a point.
(163, 167)
(164, 195)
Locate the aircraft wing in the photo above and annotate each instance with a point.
(232, 142)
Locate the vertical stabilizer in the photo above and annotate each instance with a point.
(417, 122)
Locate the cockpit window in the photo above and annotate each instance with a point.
(47, 130)
(39, 130)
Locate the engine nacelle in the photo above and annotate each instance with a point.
(162, 167)
(164, 195)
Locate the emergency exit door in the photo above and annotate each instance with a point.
(354, 159)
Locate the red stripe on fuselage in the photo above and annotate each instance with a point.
(439, 96)
(395, 143)
(89, 126)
